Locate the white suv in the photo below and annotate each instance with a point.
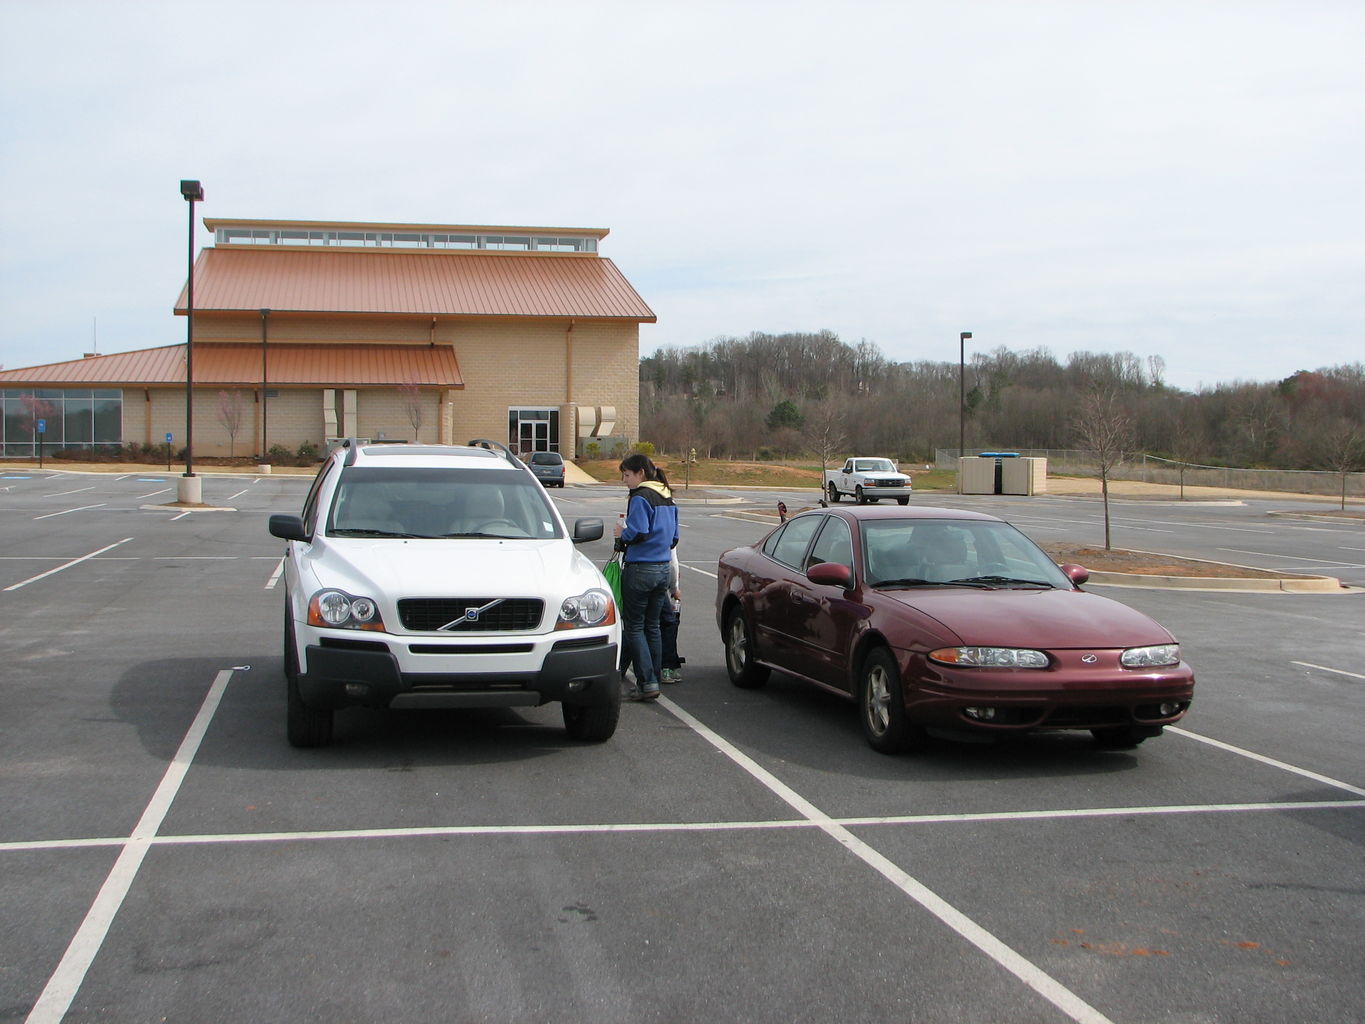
(440, 576)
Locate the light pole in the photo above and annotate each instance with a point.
(961, 400)
(191, 489)
(265, 316)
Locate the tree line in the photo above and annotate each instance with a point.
(795, 395)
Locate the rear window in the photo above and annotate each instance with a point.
(546, 459)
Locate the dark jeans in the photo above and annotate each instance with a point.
(644, 595)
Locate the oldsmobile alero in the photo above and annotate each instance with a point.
(944, 620)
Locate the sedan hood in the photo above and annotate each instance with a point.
(1034, 618)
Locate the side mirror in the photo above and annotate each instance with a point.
(830, 574)
(585, 530)
(288, 527)
(1077, 574)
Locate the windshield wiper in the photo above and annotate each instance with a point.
(352, 532)
(1004, 581)
(907, 581)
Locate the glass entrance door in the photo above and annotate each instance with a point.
(532, 430)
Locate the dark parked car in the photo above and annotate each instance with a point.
(548, 468)
(944, 619)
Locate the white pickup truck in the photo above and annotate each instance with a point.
(867, 480)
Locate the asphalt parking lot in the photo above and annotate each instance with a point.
(729, 855)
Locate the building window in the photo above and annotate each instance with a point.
(81, 418)
(403, 240)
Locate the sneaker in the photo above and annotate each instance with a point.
(647, 694)
(667, 675)
(650, 692)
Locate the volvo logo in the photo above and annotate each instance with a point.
(472, 614)
(1090, 659)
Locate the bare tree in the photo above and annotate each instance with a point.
(231, 409)
(1344, 450)
(824, 433)
(410, 394)
(1104, 427)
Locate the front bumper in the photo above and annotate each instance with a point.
(887, 492)
(1004, 702)
(348, 672)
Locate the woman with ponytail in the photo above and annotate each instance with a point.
(648, 537)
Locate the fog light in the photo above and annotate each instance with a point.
(980, 714)
(1168, 709)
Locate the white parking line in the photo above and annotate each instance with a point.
(598, 828)
(68, 511)
(78, 490)
(61, 988)
(1251, 754)
(238, 494)
(1324, 668)
(1297, 558)
(275, 576)
(153, 494)
(1023, 969)
(68, 565)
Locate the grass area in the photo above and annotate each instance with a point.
(727, 473)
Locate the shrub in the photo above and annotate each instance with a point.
(643, 448)
(308, 452)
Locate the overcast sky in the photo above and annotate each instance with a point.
(1175, 179)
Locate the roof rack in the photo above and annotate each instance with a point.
(498, 447)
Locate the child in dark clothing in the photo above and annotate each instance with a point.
(671, 671)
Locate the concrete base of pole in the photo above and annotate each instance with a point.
(263, 468)
(190, 490)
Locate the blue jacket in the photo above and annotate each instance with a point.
(651, 529)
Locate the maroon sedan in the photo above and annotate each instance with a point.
(946, 619)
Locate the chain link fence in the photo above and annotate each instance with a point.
(1153, 469)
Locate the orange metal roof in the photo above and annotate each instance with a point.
(230, 279)
(216, 364)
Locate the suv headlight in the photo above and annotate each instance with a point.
(1150, 657)
(591, 608)
(990, 657)
(336, 609)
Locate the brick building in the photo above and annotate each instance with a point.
(308, 331)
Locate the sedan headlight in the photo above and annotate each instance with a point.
(990, 657)
(1150, 657)
(336, 609)
(592, 608)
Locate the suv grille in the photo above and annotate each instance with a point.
(506, 615)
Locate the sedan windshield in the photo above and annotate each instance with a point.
(950, 552)
(391, 501)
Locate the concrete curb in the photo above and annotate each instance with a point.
(1306, 585)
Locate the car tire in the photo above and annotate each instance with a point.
(833, 495)
(593, 723)
(740, 649)
(305, 726)
(858, 496)
(881, 705)
(903, 501)
(1120, 737)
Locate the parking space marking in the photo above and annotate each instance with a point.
(1041, 982)
(153, 494)
(1251, 754)
(78, 490)
(1324, 668)
(598, 828)
(68, 565)
(68, 511)
(1330, 562)
(61, 988)
(275, 576)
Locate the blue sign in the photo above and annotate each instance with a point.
(42, 426)
(168, 438)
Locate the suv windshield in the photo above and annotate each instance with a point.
(390, 501)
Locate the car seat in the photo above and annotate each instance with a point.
(368, 509)
(941, 552)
